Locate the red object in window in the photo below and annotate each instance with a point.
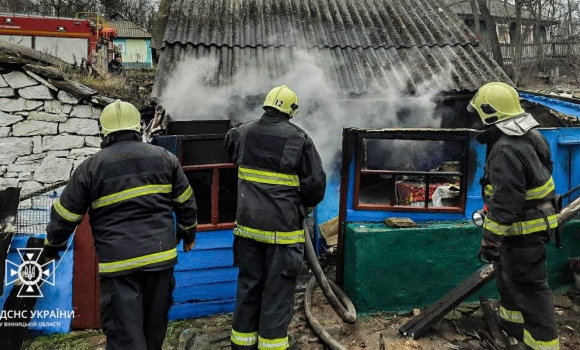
(412, 192)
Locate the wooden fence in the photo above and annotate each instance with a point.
(551, 50)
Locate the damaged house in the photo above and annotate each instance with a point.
(404, 63)
(368, 65)
(397, 74)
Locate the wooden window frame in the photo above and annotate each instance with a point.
(501, 25)
(215, 186)
(436, 136)
(531, 34)
(215, 183)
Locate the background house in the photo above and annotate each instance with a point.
(133, 42)
(503, 14)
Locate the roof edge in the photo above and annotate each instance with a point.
(165, 42)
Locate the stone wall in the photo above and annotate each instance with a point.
(45, 132)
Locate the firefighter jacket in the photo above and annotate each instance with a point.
(279, 170)
(130, 190)
(517, 184)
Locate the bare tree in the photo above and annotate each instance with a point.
(569, 41)
(490, 24)
(518, 43)
(538, 35)
(160, 22)
(475, 11)
(141, 12)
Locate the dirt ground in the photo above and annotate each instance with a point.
(568, 83)
(457, 330)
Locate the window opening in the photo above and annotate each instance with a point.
(411, 174)
(215, 187)
(528, 34)
(503, 33)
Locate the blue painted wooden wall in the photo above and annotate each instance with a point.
(564, 145)
(205, 278)
(558, 105)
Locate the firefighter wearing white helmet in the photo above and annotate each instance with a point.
(279, 170)
(129, 190)
(519, 194)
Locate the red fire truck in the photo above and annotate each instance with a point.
(88, 36)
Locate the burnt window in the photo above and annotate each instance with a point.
(411, 172)
(213, 179)
(215, 187)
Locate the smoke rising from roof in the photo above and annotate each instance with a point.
(191, 94)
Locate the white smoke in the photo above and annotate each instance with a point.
(188, 95)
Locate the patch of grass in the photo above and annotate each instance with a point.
(116, 87)
(125, 87)
(72, 341)
(174, 328)
(90, 339)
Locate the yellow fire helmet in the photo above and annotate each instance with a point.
(119, 116)
(496, 102)
(283, 99)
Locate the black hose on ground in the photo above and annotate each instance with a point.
(341, 304)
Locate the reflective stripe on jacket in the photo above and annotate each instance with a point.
(517, 181)
(279, 169)
(131, 190)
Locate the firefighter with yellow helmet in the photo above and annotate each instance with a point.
(129, 189)
(279, 170)
(519, 194)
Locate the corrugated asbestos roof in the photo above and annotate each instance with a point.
(364, 46)
(128, 29)
(314, 23)
(351, 70)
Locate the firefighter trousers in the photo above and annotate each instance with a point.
(526, 307)
(265, 296)
(134, 309)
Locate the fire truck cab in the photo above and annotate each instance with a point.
(70, 39)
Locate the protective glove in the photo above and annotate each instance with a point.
(489, 249)
(188, 237)
(51, 251)
(305, 211)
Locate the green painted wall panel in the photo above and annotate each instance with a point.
(389, 269)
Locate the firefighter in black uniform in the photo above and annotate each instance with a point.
(131, 190)
(279, 170)
(519, 196)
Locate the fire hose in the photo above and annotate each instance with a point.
(569, 212)
(335, 296)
